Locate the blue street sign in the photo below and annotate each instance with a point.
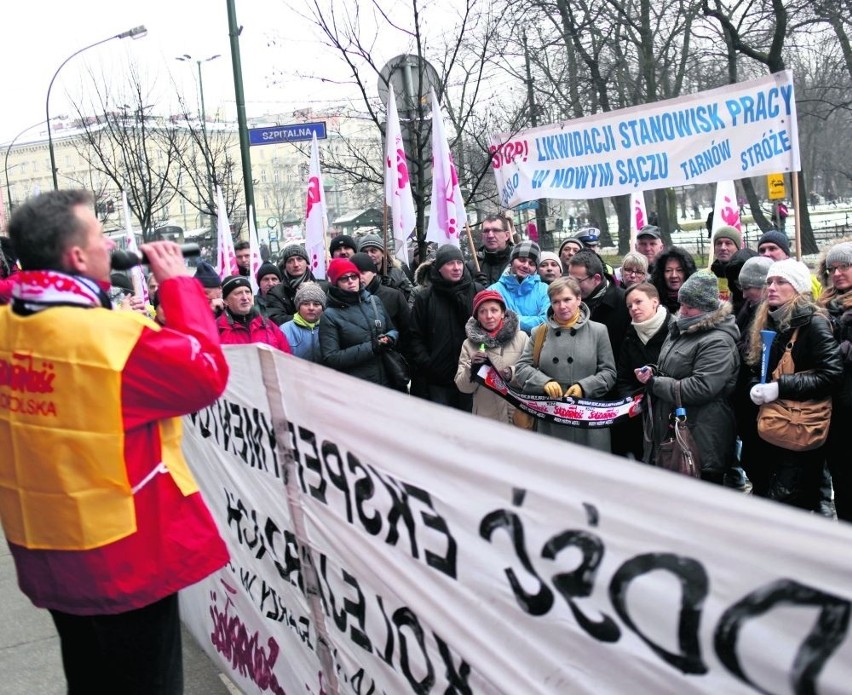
(531, 205)
(298, 132)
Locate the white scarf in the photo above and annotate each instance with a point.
(648, 329)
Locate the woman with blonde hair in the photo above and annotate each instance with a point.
(576, 360)
(633, 270)
(803, 328)
(493, 336)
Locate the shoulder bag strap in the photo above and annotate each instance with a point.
(377, 323)
(786, 365)
(677, 394)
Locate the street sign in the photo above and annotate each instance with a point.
(775, 185)
(297, 132)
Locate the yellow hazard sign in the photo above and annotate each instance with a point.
(775, 186)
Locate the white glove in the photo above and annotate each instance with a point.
(764, 393)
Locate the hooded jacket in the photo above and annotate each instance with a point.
(702, 355)
(527, 298)
(503, 350)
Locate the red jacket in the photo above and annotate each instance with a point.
(171, 372)
(260, 330)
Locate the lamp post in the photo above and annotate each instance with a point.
(6, 162)
(134, 33)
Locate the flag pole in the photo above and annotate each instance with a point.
(384, 268)
(796, 219)
(472, 247)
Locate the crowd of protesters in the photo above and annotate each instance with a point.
(564, 324)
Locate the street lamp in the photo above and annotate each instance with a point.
(6, 161)
(134, 33)
(186, 58)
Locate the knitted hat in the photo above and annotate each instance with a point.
(550, 256)
(732, 233)
(445, 254)
(649, 230)
(839, 253)
(753, 272)
(338, 267)
(232, 282)
(526, 249)
(267, 269)
(340, 241)
(371, 241)
(793, 271)
(487, 296)
(773, 236)
(589, 236)
(294, 250)
(309, 292)
(573, 242)
(700, 291)
(363, 262)
(206, 275)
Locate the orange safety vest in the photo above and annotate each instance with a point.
(63, 476)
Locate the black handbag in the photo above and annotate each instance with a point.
(395, 364)
(679, 453)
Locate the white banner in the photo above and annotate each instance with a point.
(740, 130)
(467, 556)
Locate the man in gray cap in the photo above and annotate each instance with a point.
(280, 300)
(391, 270)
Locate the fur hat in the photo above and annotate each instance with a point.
(338, 267)
(309, 292)
(793, 271)
(340, 241)
(753, 272)
(550, 256)
(371, 241)
(232, 282)
(839, 253)
(773, 236)
(526, 249)
(728, 232)
(445, 254)
(487, 296)
(700, 291)
(267, 269)
(363, 262)
(206, 275)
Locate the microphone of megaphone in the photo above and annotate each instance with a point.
(125, 260)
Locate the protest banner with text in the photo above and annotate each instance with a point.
(744, 129)
(382, 544)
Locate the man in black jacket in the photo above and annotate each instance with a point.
(438, 329)
(280, 300)
(495, 252)
(393, 299)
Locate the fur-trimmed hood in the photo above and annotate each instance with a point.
(477, 334)
(421, 272)
(721, 318)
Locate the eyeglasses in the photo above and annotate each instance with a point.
(351, 277)
(579, 280)
(842, 267)
(632, 271)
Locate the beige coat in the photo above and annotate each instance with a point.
(503, 351)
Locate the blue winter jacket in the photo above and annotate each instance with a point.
(304, 342)
(528, 299)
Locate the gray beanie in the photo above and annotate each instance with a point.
(794, 272)
(773, 236)
(294, 250)
(753, 272)
(447, 253)
(839, 253)
(309, 292)
(700, 291)
(526, 249)
(371, 241)
(728, 232)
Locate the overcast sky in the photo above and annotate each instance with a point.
(36, 36)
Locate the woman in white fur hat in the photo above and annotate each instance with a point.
(791, 477)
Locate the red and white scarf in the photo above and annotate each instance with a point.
(35, 290)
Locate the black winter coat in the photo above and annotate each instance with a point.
(491, 265)
(841, 324)
(438, 322)
(281, 299)
(635, 354)
(347, 334)
(611, 311)
(397, 307)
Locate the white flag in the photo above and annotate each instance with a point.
(638, 216)
(316, 220)
(397, 182)
(140, 287)
(226, 257)
(446, 214)
(254, 250)
(726, 211)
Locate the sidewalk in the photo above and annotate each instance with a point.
(29, 647)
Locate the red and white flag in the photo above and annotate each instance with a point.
(638, 216)
(254, 250)
(447, 216)
(397, 182)
(316, 219)
(226, 257)
(140, 287)
(726, 211)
